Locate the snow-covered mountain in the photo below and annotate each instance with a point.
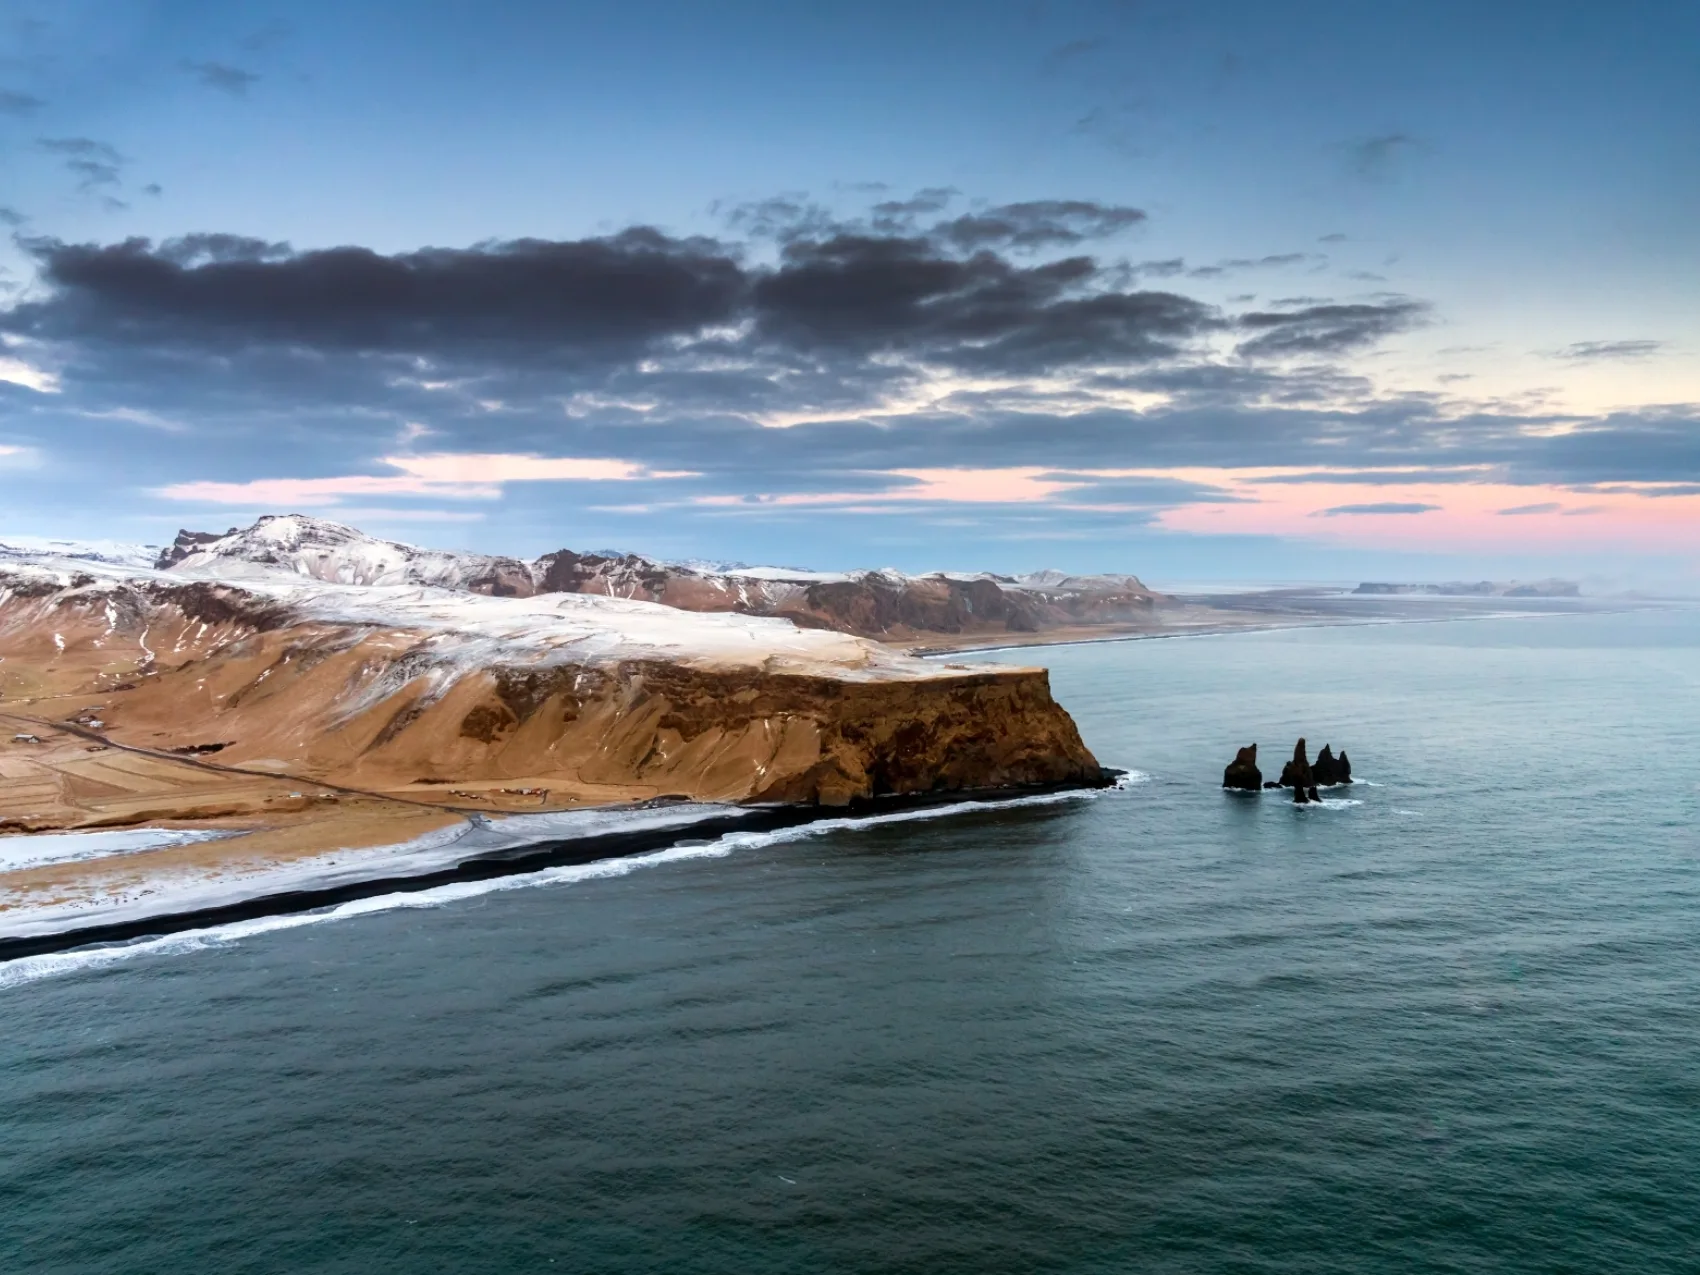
(293, 545)
(886, 604)
(115, 552)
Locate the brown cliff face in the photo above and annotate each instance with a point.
(644, 729)
(218, 673)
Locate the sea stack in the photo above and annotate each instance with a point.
(1297, 773)
(1342, 768)
(1242, 773)
(1326, 769)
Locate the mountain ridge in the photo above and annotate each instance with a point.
(885, 604)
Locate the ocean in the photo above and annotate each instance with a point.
(1447, 1021)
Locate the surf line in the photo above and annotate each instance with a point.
(514, 860)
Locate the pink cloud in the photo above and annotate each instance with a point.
(450, 475)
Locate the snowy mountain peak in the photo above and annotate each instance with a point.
(296, 545)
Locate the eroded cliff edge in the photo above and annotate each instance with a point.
(488, 703)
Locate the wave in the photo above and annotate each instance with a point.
(29, 969)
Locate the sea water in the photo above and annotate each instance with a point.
(1448, 1020)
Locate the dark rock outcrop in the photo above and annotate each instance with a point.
(1297, 772)
(1330, 770)
(1242, 772)
(1323, 770)
(185, 544)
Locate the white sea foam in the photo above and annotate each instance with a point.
(29, 969)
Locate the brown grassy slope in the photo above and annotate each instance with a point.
(261, 691)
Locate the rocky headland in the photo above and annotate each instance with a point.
(320, 706)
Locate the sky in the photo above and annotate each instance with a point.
(1204, 291)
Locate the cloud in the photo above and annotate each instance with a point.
(1591, 350)
(458, 476)
(95, 163)
(15, 371)
(1041, 223)
(11, 217)
(1544, 507)
(1328, 329)
(873, 295)
(1376, 159)
(14, 103)
(1379, 507)
(211, 291)
(232, 81)
(1064, 54)
(840, 367)
(848, 299)
(1234, 264)
(272, 33)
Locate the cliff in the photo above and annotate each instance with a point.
(494, 703)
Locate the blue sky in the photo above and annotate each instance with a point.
(1356, 288)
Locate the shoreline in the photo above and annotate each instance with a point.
(1273, 626)
(518, 859)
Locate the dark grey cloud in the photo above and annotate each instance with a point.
(1042, 223)
(1380, 507)
(847, 298)
(868, 294)
(95, 163)
(780, 217)
(1376, 159)
(1335, 237)
(683, 350)
(1328, 329)
(1028, 226)
(901, 213)
(233, 81)
(1235, 264)
(1164, 269)
(15, 103)
(1060, 57)
(218, 291)
(1583, 351)
(265, 37)
(11, 216)
(1544, 507)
